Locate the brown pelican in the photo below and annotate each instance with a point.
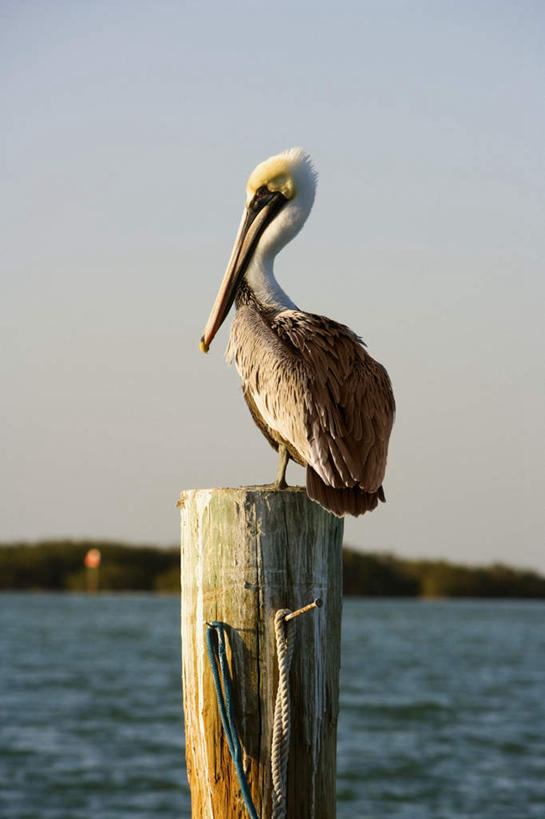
(313, 390)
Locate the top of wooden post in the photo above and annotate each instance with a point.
(243, 490)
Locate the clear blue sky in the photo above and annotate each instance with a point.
(129, 130)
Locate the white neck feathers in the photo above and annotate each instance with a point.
(260, 277)
(287, 224)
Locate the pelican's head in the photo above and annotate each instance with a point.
(279, 197)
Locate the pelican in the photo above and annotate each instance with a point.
(311, 387)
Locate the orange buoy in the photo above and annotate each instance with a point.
(92, 559)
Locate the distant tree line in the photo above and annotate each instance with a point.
(59, 566)
(377, 575)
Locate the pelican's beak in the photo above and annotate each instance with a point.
(258, 214)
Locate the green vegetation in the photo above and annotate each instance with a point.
(372, 574)
(59, 566)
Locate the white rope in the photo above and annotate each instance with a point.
(285, 640)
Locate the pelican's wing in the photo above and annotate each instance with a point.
(348, 401)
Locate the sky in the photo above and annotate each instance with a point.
(129, 130)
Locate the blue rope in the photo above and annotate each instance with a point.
(225, 704)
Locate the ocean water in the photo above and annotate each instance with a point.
(442, 709)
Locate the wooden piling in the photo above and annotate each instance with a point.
(245, 554)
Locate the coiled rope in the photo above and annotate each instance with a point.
(285, 641)
(215, 639)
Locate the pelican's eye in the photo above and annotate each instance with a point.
(261, 193)
(260, 198)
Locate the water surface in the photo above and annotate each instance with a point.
(442, 709)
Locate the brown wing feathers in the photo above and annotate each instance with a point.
(349, 411)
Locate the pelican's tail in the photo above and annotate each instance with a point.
(348, 501)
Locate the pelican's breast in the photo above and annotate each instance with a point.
(272, 375)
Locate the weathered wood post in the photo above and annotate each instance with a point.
(245, 554)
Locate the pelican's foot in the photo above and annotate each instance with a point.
(274, 486)
(280, 482)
